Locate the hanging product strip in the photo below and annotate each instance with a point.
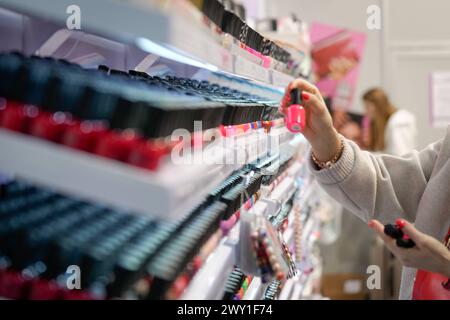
(234, 197)
(236, 285)
(238, 282)
(229, 20)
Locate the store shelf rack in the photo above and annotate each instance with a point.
(210, 279)
(168, 193)
(170, 33)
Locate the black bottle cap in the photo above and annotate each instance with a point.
(393, 231)
(118, 72)
(103, 68)
(296, 97)
(405, 243)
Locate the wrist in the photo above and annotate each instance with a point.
(326, 148)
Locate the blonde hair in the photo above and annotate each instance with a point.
(383, 111)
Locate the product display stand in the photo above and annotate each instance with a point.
(148, 227)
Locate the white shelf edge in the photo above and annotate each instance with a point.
(209, 281)
(254, 290)
(167, 194)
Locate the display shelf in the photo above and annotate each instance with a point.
(222, 260)
(287, 289)
(168, 193)
(288, 236)
(299, 286)
(295, 288)
(255, 290)
(209, 282)
(251, 70)
(172, 34)
(279, 79)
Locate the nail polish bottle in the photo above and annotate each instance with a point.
(117, 145)
(295, 115)
(84, 135)
(147, 154)
(14, 117)
(51, 126)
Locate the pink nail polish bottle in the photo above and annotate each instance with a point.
(295, 114)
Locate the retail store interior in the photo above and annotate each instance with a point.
(144, 153)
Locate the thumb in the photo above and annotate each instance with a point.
(411, 231)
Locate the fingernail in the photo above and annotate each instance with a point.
(371, 223)
(400, 223)
(305, 96)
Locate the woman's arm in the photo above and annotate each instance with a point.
(382, 187)
(379, 187)
(428, 253)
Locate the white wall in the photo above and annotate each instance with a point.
(417, 42)
(414, 41)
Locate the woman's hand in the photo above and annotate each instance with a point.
(428, 254)
(319, 130)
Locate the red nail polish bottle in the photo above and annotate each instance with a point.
(50, 126)
(84, 135)
(147, 154)
(2, 108)
(117, 145)
(13, 285)
(44, 290)
(14, 117)
(295, 114)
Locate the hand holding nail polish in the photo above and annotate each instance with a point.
(413, 248)
(395, 232)
(317, 125)
(295, 114)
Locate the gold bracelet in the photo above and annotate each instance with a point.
(327, 164)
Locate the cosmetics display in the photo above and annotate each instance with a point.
(121, 254)
(135, 170)
(229, 21)
(127, 100)
(117, 115)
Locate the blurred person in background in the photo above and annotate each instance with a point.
(390, 130)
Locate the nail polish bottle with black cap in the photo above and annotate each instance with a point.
(295, 115)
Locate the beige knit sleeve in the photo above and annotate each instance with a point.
(379, 187)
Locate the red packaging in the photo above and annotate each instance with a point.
(147, 154)
(51, 126)
(117, 145)
(84, 135)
